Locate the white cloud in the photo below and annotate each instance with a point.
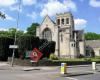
(5, 3)
(29, 2)
(15, 8)
(54, 6)
(12, 5)
(70, 5)
(94, 3)
(33, 15)
(80, 23)
(25, 31)
(3, 29)
(9, 18)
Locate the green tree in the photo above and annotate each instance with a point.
(4, 34)
(12, 32)
(92, 36)
(32, 29)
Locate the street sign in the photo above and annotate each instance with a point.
(35, 55)
(13, 46)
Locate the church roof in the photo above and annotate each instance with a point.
(64, 14)
(49, 19)
(93, 43)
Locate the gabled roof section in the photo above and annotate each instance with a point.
(93, 43)
(47, 17)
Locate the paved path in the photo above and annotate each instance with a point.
(47, 73)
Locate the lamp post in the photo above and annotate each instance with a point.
(12, 61)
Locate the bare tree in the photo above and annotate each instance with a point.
(2, 15)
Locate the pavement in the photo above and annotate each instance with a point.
(79, 72)
(6, 65)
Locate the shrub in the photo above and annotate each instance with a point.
(87, 59)
(53, 57)
(97, 57)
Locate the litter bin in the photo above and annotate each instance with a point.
(63, 68)
(94, 65)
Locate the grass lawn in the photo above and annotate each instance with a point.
(96, 59)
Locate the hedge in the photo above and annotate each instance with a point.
(4, 48)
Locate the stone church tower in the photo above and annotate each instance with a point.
(69, 42)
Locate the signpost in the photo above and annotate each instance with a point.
(13, 46)
(15, 36)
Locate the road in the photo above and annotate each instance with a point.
(48, 73)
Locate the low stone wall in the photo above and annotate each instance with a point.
(21, 62)
(26, 62)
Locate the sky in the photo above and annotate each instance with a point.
(86, 13)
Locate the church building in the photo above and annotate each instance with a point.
(69, 42)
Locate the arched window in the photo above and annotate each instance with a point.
(58, 21)
(67, 20)
(47, 34)
(62, 21)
